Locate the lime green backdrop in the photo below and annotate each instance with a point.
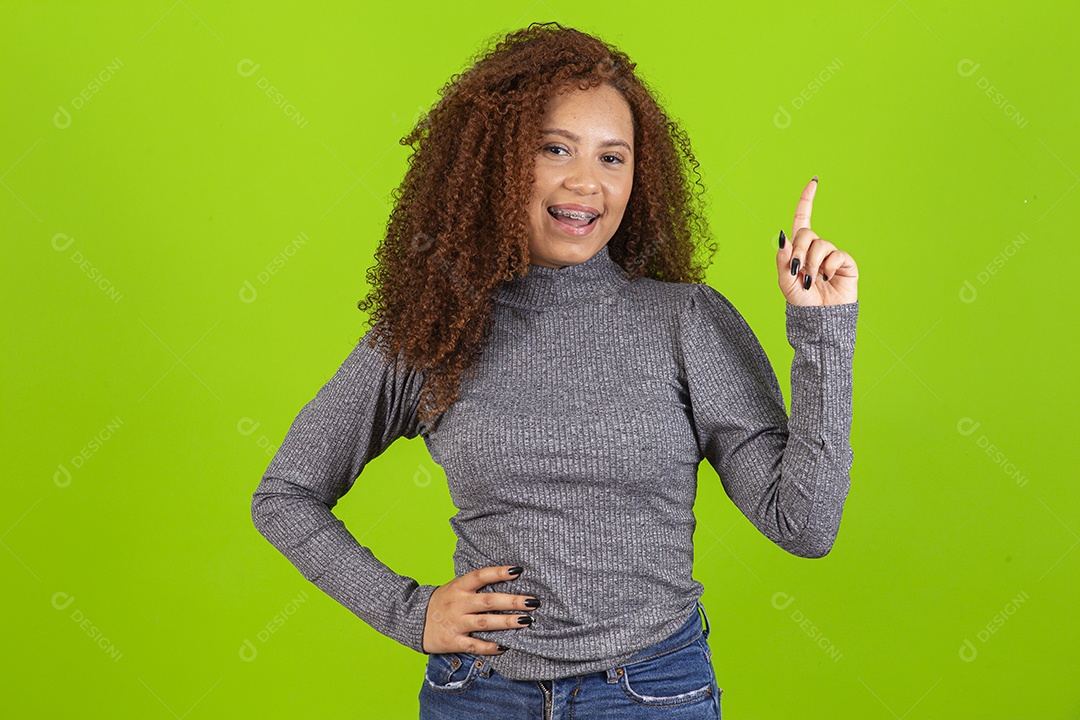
(192, 193)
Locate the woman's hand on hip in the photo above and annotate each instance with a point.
(457, 609)
(832, 274)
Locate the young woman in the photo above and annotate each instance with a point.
(539, 317)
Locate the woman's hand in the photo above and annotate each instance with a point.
(832, 273)
(456, 609)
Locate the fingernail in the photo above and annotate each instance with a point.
(824, 276)
(795, 266)
(814, 179)
(782, 239)
(516, 570)
(806, 282)
(525, 620)
(532, 602)
(503, 648)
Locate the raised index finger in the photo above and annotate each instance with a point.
(805, 206)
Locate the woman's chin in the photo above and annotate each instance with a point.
(561, 252)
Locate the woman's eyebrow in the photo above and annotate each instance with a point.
(575, 138)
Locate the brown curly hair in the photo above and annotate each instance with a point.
(459, 227)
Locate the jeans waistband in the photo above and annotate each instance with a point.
(688, 633)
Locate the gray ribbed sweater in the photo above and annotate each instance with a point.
(573, 452)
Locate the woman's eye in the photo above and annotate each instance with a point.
(557, 149)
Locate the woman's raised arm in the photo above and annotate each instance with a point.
(789, 478)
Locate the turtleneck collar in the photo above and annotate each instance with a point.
(545, 287)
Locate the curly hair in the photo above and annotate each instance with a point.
(459, 227)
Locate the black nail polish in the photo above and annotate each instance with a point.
(795, 266)
(782, 239)
(806, 282)
(532, 603)
(516, 570)
(824, 276)
(525, 620)
(503, 648)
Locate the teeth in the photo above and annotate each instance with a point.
(572, 214)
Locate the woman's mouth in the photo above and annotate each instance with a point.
(573, 222)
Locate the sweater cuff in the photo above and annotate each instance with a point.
(411, 634)
(831, 325)
(823, 337)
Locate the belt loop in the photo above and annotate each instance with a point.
(705, 616)
(613, 674)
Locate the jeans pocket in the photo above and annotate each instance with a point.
(678, 677)
(451, 672)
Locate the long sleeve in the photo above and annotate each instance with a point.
(789, 477)
(354, 417)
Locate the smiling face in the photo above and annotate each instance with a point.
(585, 166)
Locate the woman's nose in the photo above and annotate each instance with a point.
(581, 177)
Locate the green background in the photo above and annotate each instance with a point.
(184, 256)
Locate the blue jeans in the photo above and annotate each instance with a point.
(673, 679)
